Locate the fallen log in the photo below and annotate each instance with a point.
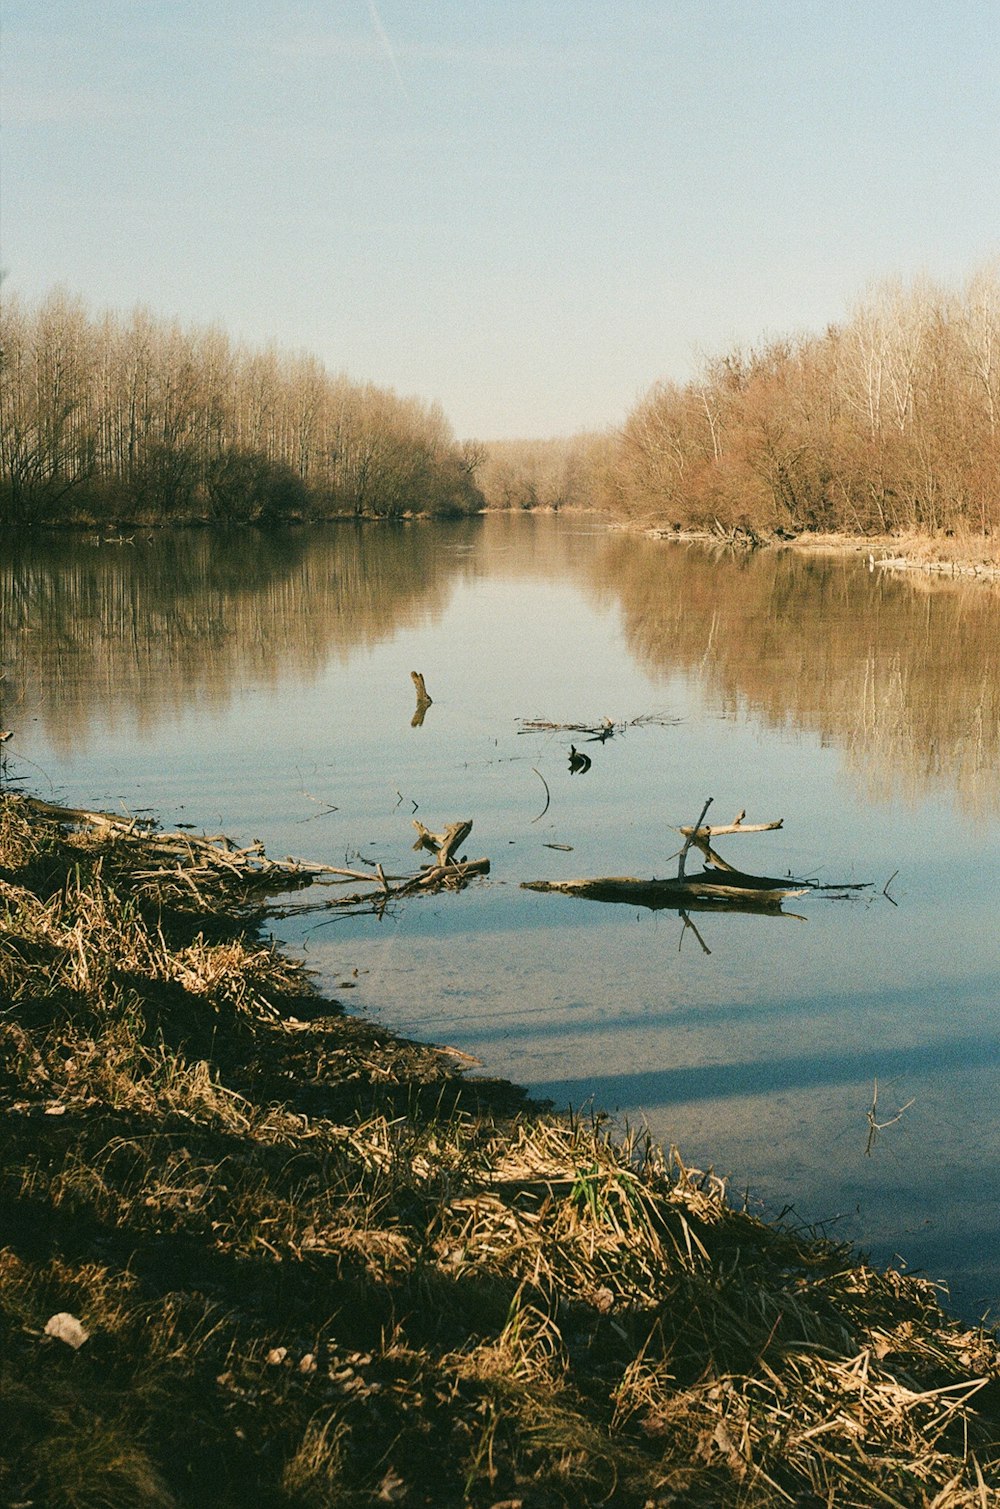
(721, 888)
(706, 891)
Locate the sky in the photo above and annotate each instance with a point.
(525, 210)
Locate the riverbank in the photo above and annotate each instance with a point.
(947, 555)
(259, 1251)
(960, 554)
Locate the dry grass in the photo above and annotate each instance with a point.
(960, 552)
(317, 1267)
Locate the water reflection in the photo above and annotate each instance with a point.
(98, 631)
(901, 674)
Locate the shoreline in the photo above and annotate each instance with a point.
(964, 554)
(259, 1250)
(967, 555)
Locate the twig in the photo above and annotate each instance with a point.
(690, 839)
(874, 1126)
(689, 924)
(548, 796)
(327, 807)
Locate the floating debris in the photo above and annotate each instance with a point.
(720, 887)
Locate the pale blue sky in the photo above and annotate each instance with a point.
(525, 210)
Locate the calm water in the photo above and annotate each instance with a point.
(261, 685)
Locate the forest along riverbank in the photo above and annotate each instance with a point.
(258, 1250)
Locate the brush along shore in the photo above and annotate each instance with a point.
(255, 1251)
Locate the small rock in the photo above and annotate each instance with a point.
(66, 1327)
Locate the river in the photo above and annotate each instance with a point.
(259, 684)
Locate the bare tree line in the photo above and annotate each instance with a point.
(131, 417)
(549, 474)
(888, 422)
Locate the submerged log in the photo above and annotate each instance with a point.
(729, 892)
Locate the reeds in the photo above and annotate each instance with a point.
(318, 1266)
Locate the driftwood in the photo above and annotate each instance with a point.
(424, 700)
(736, 826)
(446, 873)
(720, 888)
(184, 863)
(442, 845)
(705, 891)
(597, 732)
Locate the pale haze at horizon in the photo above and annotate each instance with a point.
(526, 212)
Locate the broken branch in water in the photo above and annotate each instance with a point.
(689, 840)
(698, 833)
(595, 731)
(424, 699)
(446, 873)
(443, 845)
(720, 887)
(875, 1126)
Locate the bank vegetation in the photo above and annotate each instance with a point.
(563, 472)
(886, 423)
(257, 1251)
(129, 418)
